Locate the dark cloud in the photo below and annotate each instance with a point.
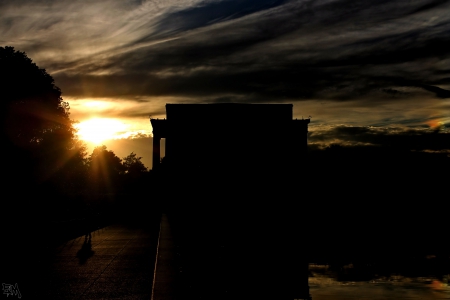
(359, 57)
(208, 13)
(428, 6)
(275, 50)
(441, 93)
(395, 138)
(265, 85)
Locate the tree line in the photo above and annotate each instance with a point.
(38, 136)
(48, 173)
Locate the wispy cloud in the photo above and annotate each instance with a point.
(385, 61)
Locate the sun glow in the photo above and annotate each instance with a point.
(98, 130)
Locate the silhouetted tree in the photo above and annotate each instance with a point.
(31, 104)
(137, 177)
(105, 169)
(38, 137)
(43, 161)
(133, 164)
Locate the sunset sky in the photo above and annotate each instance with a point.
(365, 71)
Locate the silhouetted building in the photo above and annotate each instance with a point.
(230, 134)
(231, 180)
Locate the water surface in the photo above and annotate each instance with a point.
(328, 283)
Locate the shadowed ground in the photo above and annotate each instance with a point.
(206, 256)
(114, 262)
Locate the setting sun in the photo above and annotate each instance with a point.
(98, 130)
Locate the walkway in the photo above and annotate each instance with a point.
(115, 262)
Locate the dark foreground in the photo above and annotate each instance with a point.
(214, 255)
(117, 262)
(112, 262)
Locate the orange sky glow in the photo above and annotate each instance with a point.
(117, 124)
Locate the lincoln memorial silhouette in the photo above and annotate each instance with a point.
(231, 132)
(231, 182)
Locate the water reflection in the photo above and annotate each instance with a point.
(345, 282)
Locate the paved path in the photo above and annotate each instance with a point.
(167, 268)
(200, 256)
(115, 262)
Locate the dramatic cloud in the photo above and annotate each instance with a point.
(434, 140)
(341, 61)
(269, 49)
